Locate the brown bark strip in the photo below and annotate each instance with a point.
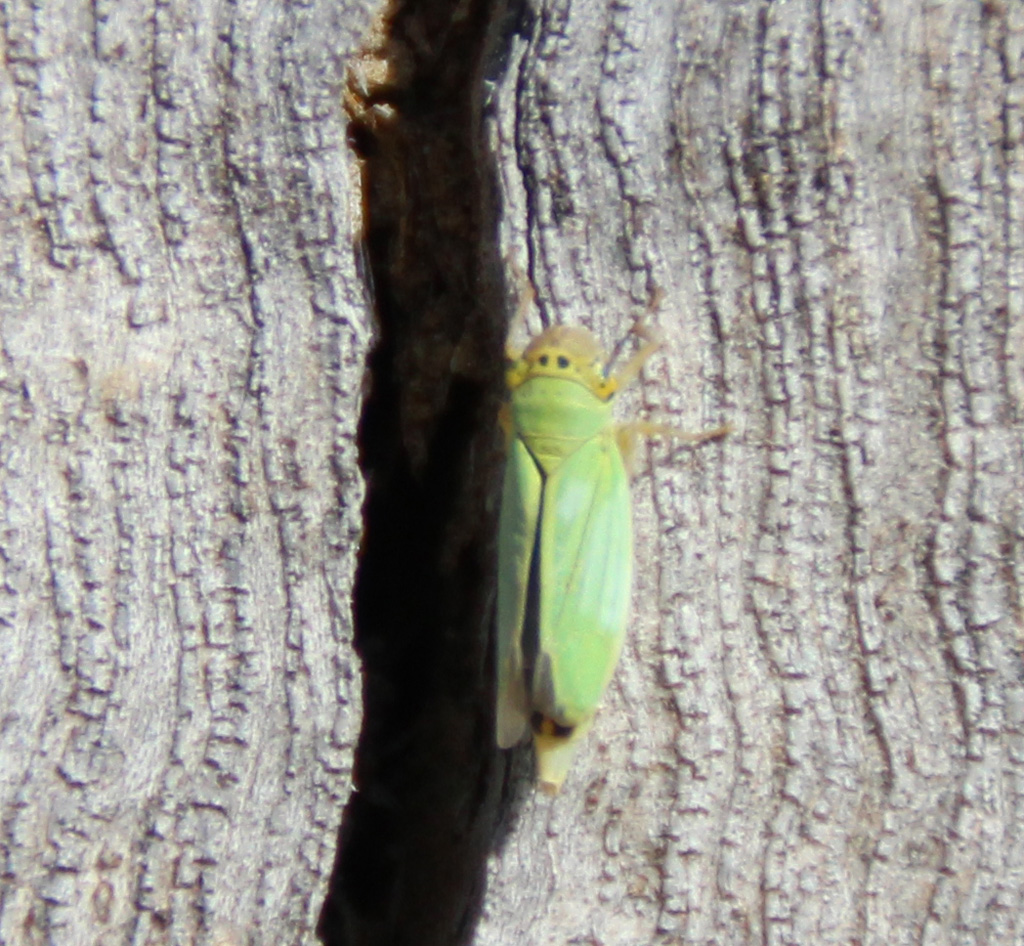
(416, 829)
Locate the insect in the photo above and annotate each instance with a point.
(565, 541)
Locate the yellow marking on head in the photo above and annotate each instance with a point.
(564, 351)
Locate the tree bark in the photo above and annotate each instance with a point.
(816, 733)
(183, 335)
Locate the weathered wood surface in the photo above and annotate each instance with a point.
(183, 334)
(816, 732)
(815, 735)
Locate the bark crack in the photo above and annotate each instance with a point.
(418, 825)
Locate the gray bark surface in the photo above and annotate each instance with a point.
(816, 733)
(183, 332)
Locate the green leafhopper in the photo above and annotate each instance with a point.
(565, 541)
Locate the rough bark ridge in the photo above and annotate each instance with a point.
(182, 342)
(817, 731)
(818, 735)
(414, 839)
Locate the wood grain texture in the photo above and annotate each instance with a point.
(814, 733)
(183, 333)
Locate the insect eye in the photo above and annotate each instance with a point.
(563, 362)
(543, 359)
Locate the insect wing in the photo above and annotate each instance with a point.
(586, 566)
(517, 530)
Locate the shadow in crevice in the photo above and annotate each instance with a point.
(430, 786)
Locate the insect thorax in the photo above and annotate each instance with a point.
(554, 417)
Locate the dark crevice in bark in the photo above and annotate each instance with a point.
(416, 830)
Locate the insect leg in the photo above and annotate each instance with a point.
(628, 437)
(629, 372)
(525, 296)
